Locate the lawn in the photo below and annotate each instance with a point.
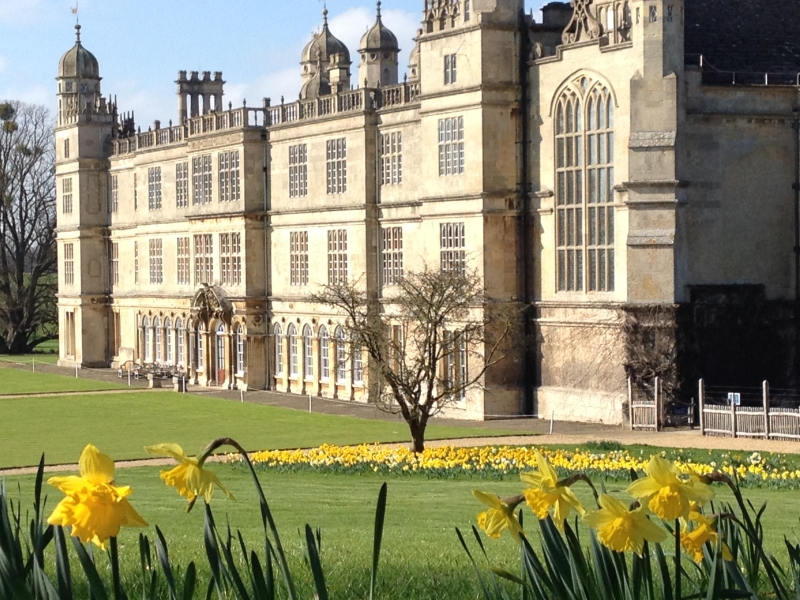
(46, 356)
(421, 556)
(14, 381)
(122, 424)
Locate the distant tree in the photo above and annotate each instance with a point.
(428, 345)
(28, 280)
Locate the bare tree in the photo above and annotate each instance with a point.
(28, 313)
(428, 344)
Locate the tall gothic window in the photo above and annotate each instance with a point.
(585, 189)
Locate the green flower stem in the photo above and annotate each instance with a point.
(678, 559)
(113, 555)
(573, 479)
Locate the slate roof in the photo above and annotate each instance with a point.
(745, 35)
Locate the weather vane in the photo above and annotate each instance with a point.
(75, 12)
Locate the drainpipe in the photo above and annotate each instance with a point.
(796, 187)
(529, 376)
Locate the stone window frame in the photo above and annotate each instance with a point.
(154, 188)
(277, 331)
(451, 146)
(182, 184)
(450, 69)
(298, 170)
(298, 258)
(66, 195)
(391, 148)
(336, 166)
(452, 247)
(114, 263)
(337, 256)
(203, 258)
(229, 176)
(156, 257)
(230, 258)
(202, 179)
(391, 255)
(583, 127)
(324, 354)
(114, 193)
(69, 264)
(184, 260)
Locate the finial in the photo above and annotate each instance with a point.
(325, 15)
(78, 33)
(379, 9)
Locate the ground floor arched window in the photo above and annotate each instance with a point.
(308, 353)
(179, 340)
(291, 333)
(278, 349)
(148, 340)
(324, 354)
(240, 350)
(168, 333)
(220, 374)
(200, 333)
(157, 335)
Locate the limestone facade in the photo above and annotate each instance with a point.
(589, 167)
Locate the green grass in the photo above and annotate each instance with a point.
(122, 424)
(15, 381)
(45, 357)
(421, 556)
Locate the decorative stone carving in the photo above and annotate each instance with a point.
(583, 25)
(210, 302)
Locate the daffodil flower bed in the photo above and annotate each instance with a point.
(497, 462)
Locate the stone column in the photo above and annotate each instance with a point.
(195, 104)
(206, 103)
(181, 107)
(218, 103)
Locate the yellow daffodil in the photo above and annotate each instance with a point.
(666, 493)
(703, 531)
(188, 477)
(94, 507)
(498, 518)
(622, 529)
(544, 493)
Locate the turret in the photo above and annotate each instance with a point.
(78, 84)
(378, 49)
(327, 55)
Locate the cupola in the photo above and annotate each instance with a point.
(324, 49)
(379, 50)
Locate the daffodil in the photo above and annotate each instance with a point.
(188, 477)
(704, 531)
(666, 493)
(94, 507)
(544, 493)
(622, 529)
(498, 518)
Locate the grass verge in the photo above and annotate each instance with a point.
(15, 381)
(122, 424)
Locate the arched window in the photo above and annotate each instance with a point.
(291, 333)
(308, 353)
(168, 338)
(585, 188)
(358, 361)
(179, 333)
(341, 365)
(200, 357)
(157, 336)
(220, 348)
(324, 354)
(148, 340)
(240, 350)
(278, 332)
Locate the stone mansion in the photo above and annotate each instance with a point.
(626, 170)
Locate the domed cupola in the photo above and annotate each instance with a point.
(379, 50)
(326, 50)
(414, 74)
(78, 62)
(78, 82)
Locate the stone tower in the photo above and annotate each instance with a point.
(85, 125)
(378, 50)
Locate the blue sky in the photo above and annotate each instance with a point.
(142, 44)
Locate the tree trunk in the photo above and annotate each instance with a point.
(418, 436)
